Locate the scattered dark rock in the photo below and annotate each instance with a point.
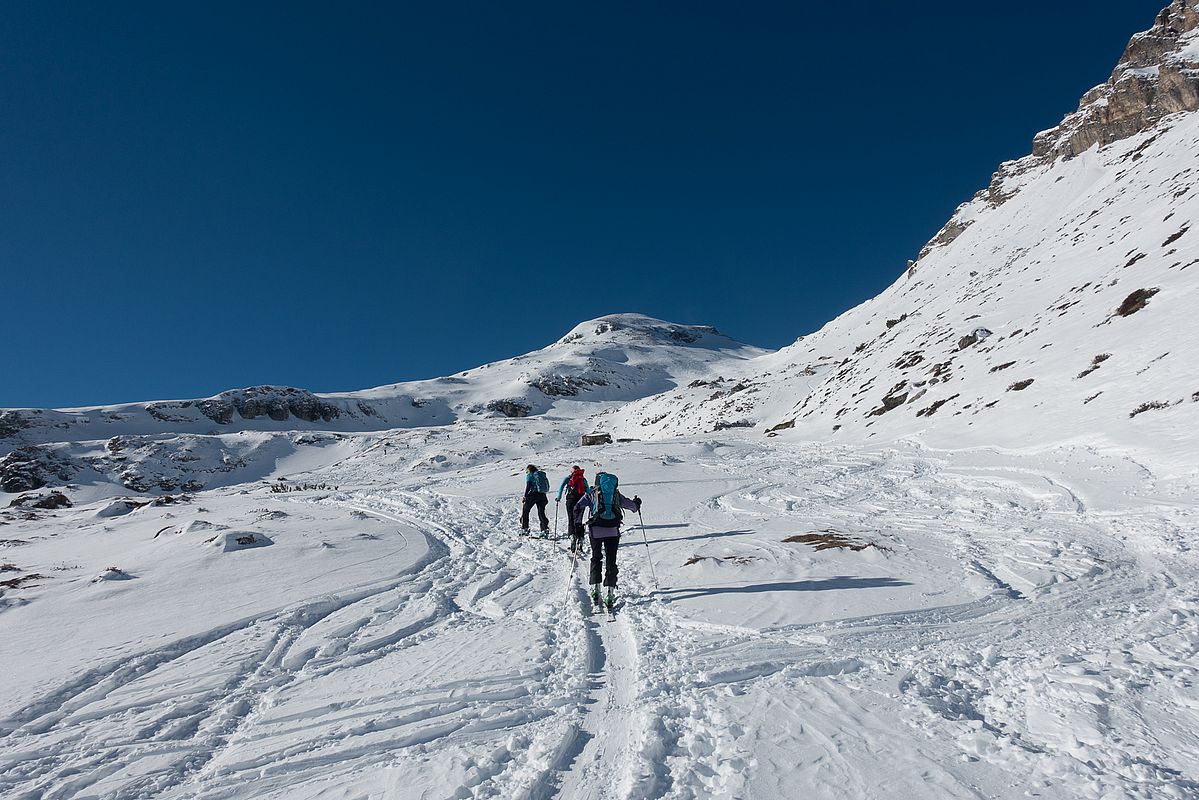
(564, 385)
(829, 540)
(162, 411)
(1153, 406)
(11, 423)
(738, 560)
(975, 336)
(782, 426)
(891, 323)
(1020, 386)
(48, 501)
(1003, 366)
(17, 582)
(1135, 302)
(930, 410)
(1175, 237)
(510, 408)
(29, 468)
(941, 370)
(894, 399)
(1095, 362)
(276, 402)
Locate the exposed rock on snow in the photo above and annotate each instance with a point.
(11, 423)
(1158, 75)
(30, 468)
(120, 507)
(45, 500)
(232, 541)
(279, 403)
(1135, 302)
(113, 574)
(509, 408)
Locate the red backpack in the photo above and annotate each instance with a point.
(577, 483)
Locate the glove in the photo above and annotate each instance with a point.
(637, 502)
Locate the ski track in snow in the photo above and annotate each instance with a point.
(1067, 670)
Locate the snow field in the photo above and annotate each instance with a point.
(1014, 624)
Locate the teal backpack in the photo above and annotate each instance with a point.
(606, 511)
(539, 481)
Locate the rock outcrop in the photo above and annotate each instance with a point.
(1158, 75)
(28, 468)
(279, 403)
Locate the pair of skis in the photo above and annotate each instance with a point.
(605, 604)
(536, 535)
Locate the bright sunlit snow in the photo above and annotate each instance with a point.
(943, 547)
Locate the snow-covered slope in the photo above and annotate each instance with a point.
(872, 617)
(1056, 306)
(239, 435)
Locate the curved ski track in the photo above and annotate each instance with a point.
(645, 706)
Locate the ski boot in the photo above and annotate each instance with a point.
(610, 599)
(595, 594)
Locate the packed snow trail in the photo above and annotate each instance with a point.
(1007, 626)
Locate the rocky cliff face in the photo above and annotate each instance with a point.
(1158, 75)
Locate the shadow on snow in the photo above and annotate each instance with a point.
(821, 585)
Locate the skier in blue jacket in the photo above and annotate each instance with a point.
(536, 494)
(606, 505)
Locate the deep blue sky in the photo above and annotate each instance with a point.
(200, 196)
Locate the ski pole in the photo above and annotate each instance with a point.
(557, 508)
(648, 558)
(570, 579)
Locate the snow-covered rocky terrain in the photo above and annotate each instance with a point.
(244, 434)
(944, 547)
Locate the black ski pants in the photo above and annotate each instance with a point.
(540, 500)
(603, 559)
(575, 529)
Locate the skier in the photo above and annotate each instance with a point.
(575, 486)
(537, 488)
(606, 505)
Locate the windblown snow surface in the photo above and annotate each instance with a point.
(942, 548)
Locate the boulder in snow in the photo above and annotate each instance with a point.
(230, 541)
(120, 507)
(113, 574)
(48, 501)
